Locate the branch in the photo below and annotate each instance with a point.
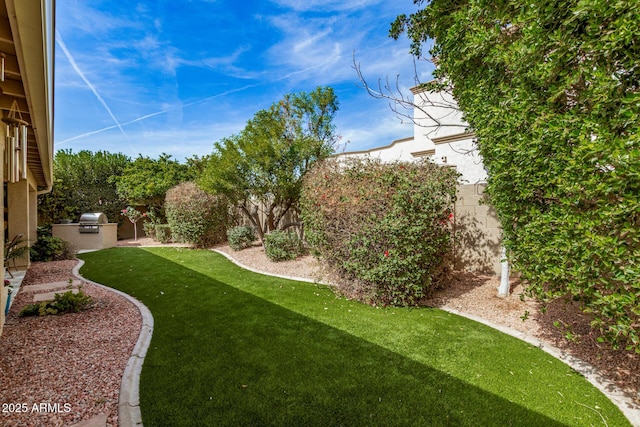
(405, 106)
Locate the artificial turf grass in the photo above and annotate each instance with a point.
(231, 347)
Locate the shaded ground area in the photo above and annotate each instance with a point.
(477, 294)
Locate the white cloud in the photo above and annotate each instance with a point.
(325, 5)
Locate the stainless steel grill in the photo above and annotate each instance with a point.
(90, 222)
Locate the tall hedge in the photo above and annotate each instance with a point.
(384, 229)
(195, 216)
(552, 91)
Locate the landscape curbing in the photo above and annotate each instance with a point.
(628, 407)
(129, 414)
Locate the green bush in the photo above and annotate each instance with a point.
(384, 229)
(49, 248)
(282, 245)
(149, 229)
(66, 302)
(241, 237)
(149, 225)
(163, 233)
(195, 216)
(551, 91)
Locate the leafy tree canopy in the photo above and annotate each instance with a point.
(261, 168)
(552, 90)
(145, 181)
(82, 183)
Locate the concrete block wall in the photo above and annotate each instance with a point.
(105, 238)
(477, 231)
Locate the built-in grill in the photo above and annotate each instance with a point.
(90, 222)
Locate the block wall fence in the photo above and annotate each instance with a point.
(478, 232)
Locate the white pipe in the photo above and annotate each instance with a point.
(503, 290)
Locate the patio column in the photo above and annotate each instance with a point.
(3, 290)
(19, 216)
(33, 214)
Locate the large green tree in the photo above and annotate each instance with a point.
(145, 181)
(552, 90)
(260, 170)
(83, 183)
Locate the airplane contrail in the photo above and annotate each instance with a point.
(79, 72)
(157, 113)
(168, 110)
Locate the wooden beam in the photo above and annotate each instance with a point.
(12, 88)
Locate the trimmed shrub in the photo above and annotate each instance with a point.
(66, 302)
(241, 237)
(163, 233)
(384, 229)
(49, 248)
(149, 229)
(196, 217)
(282, 245)
(149, 225)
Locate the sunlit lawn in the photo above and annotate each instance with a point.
(231, 347)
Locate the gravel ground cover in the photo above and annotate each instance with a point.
(60, 370)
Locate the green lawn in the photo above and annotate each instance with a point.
(231, 347)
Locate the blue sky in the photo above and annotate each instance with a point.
(175, 76)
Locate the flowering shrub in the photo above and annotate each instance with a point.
(241, 237)
(282, 245)
(385, 229)
(195, 216)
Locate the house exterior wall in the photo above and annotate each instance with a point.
(439, 126)
(3, 289)
(20, 214)
(28, 37)
(400, 149)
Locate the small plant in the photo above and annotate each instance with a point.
(281, 245)
(133, 215)
(241, 237)
(149, 229)
(163, 233)
(13, 250)
(49, 248)
(67, 302)
(149, 226)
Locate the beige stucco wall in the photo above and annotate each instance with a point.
(478, 232)
(3, 301)
(107, 237)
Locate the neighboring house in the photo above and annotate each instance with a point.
(441, 135)
(26, 101)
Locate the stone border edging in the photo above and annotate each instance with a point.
(129, 414)
(282, 276)
(626, 405)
